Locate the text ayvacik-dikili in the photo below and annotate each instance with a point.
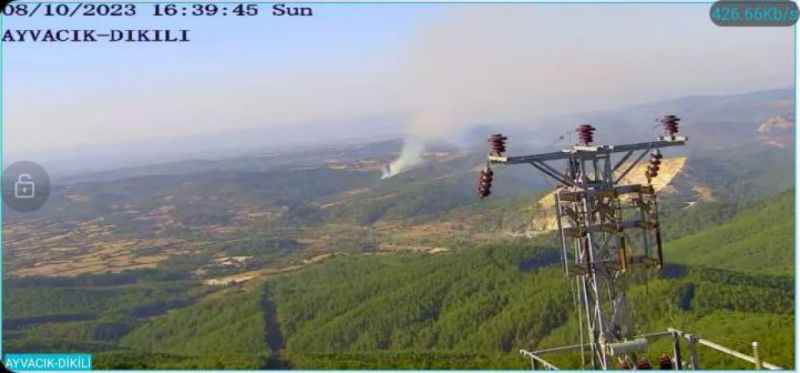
(70, 35)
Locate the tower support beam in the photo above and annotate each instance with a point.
(606, 229)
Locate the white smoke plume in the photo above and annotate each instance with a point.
(513, 65)
(410, 156)
(426, 127)
(467, 63)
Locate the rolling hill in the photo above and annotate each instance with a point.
(313, 261)
(474, 308)
(755, 240)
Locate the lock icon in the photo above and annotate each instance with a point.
(24, 187)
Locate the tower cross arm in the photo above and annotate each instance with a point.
(529, 158)
(578, 151)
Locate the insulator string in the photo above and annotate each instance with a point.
(585, 134)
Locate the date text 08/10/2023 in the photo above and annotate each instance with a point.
(156, 9)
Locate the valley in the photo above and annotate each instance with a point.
(311, 260)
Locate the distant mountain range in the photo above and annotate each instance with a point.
(716, 121)
(307, 258)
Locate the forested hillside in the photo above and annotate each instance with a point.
(475, 308)
(310, 259)
(756, 240)
(728, 280)
(227, 328)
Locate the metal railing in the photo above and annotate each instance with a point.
(755, 359)
(535, 360)
(692, 342)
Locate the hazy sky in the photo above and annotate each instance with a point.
(439, 66)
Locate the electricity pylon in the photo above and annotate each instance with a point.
(607, 229)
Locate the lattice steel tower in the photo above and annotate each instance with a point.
(607, 229)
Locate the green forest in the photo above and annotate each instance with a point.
(728, 279)
(471, 309)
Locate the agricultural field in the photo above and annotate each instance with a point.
(319, 263)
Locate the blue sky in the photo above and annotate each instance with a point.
(436, 66)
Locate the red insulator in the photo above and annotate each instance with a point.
(585, 134)
(670, 124)
(655, 158)
(665, 362)
(654, 166)
(485, 183)
(497, 143)
(652, 173)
